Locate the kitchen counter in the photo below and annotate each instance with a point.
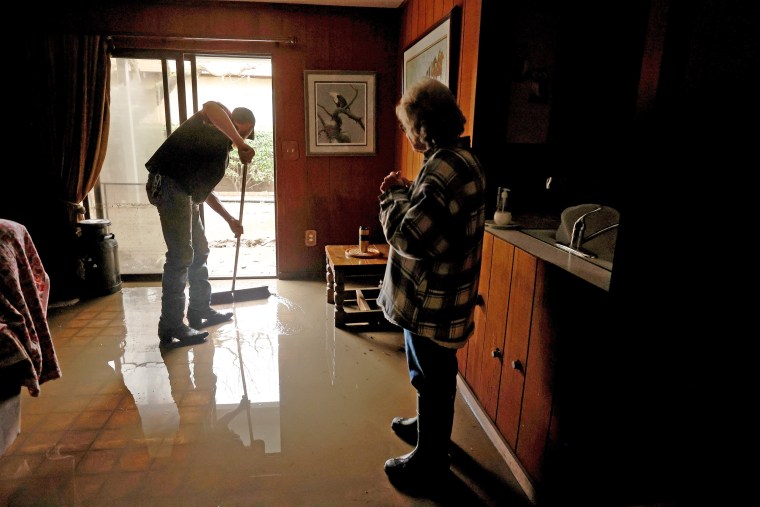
(594, 271)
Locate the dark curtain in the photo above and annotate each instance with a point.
(63, 114)
(76, 78)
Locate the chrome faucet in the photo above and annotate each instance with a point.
(576, 240)
(599, 232)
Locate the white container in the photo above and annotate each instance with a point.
(502, 216)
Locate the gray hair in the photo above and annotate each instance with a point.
(429, 112)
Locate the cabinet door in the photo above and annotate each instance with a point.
(486, 363)
(538, 393)
(518, 333)
(475, 343)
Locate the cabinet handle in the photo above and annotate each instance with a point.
(497, 353)
(479, 301)
(517, 365)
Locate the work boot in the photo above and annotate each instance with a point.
(210, 317)
(405, 428)
(181, 336)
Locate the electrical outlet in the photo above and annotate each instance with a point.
(310, 237)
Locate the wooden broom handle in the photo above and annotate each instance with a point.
(240, 219)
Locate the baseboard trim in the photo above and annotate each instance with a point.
(497, 440)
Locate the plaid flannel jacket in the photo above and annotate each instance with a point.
(435, 232)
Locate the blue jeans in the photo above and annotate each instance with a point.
(432, 368)
(186, 250)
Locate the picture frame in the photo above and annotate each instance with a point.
(434, 54)
(340, 112)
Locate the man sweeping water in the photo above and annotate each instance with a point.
(183, 173)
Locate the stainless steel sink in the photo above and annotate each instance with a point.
(546, 235)
(598, 253)
(589, 231)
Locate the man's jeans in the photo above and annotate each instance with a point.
(186, 254)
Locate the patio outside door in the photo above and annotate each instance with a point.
(141, 119)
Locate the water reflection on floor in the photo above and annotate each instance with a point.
(278, 408)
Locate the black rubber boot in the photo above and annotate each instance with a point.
(428, 464)
(210, 317)
(405, 428)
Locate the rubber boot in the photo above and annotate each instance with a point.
(405, 428)
(428, 464)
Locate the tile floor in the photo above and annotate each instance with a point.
(130, 425)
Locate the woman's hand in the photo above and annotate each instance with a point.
(393, 180)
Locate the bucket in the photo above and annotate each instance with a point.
(100, 258)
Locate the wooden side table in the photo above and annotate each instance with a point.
(355, 306)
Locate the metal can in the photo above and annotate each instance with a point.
(363, 238)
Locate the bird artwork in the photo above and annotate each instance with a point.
(340, 100)
(332, 127)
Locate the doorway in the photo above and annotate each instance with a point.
(141, 119)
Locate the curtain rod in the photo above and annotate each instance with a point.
(291, 41)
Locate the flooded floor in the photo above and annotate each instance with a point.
(278, 408)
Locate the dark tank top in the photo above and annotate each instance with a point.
(195, 155)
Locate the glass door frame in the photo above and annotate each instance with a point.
(182, 60)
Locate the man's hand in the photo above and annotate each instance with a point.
(236, 227)
(246, 153)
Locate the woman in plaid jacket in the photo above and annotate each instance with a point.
(434, 226)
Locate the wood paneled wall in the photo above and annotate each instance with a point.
(418, 17)
(333, 195)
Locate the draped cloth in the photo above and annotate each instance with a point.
(26, 347)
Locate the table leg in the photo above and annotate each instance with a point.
(339, 286)
(330, 285)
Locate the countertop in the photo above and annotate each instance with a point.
(594, 271)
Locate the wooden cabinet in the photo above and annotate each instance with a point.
(567, 380)
(483, 370)
(515, 366)
(510, 363)
(534, 340)
(475, 344)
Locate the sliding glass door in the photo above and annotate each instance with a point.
(148, 102)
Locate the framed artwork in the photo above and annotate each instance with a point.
(340, 112)
(434, 54)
